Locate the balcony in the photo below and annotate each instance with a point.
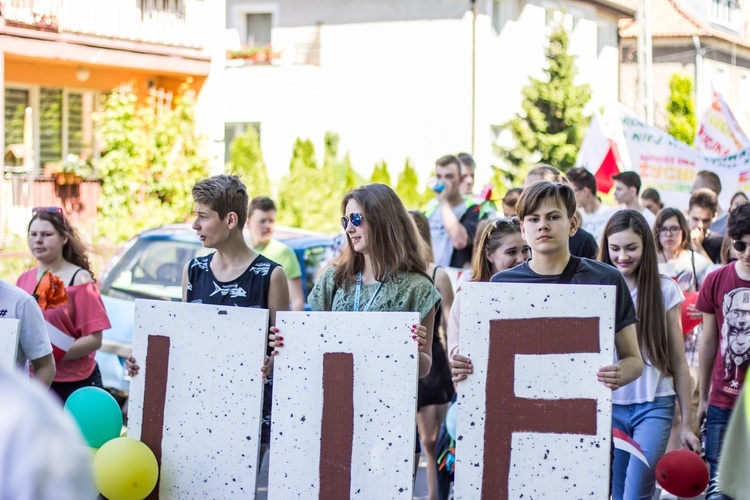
(178, 23)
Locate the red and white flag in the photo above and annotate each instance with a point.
(599, 154)
(60, 341)
(625, 443)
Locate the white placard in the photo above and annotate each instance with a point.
(384, 361)
(545, 462)
(8, 342)
(214, 395)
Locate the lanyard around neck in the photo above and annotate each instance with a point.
(358, 292)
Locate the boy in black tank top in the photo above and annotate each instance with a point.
(234, 274)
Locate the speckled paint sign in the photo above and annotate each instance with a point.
(344, 406)
(533, 421)
(8, 342)
(197, 401)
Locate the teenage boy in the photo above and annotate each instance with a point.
(235, 274)
(547, 211)
(724, 300)
(261, 224)
(702, 211)
(627, 188)
(595, 213)
(453, 217)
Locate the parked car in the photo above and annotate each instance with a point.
(150, 267)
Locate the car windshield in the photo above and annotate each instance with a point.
(153, 268)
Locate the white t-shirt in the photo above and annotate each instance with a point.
(33, 340)
(42, 453)
(442, 246)
(649, 216)
(652, 383)
(594, 222)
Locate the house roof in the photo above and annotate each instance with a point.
(676, 21)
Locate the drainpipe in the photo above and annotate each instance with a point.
(698, 72)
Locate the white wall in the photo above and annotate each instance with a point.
(399, 85)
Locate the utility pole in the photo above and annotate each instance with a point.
(473, 75)
(645, 62)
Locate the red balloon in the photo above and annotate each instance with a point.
(682, 473)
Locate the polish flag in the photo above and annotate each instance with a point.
(60, 341)
(625, 443)
(599, 154)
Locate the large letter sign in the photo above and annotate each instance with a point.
(344, 406)
(8, 342)
(533, 421)
(197, 400)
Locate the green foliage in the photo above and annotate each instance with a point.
(246, 161)
(380, 174)
(681, 119)
(408, 189)
(152, 158)
(551, 125)
(309, 196)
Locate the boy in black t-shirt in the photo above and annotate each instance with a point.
(547, 211)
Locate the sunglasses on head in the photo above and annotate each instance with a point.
(740, 245)
(51, 210)
(355, 218)
(506, 223)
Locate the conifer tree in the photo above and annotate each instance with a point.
(246, 161)
(681, 120)
(551, 125)
(380, 174)
(408, 188)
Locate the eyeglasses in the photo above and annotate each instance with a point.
(740, 245)
(670, 229)
(51, 210)
(355, 218)
(506, 223)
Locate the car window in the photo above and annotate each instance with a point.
(154, 268)
(316, 259)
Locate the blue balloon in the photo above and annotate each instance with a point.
(450, 420)
(97, 414)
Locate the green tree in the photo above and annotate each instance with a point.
(246, 161)
(152, 157)
(408, 189)
(681, 120)
(380, 174)
(552, 123)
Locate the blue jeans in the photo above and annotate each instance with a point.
(649, 424)
(717, 420)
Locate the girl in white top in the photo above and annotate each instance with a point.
(644, 409)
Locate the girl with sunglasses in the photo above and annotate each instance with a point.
(645, 408)
(59, 250)
(499, 247)
(382, 268)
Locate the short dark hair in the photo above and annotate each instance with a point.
(704, 198)
(738, 224)
(467, 160)
(582, 178)
(630, 179)
(712, 180)
(223, 194)
(511, 197)
(446, 160)
(653, 195)
(541, 191)
(262, 203)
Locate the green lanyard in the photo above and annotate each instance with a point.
(358, 291)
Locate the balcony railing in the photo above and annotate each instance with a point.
(178, 23)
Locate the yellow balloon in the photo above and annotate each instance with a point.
(125, 469)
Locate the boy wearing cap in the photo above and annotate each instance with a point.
(627, 187)
(725, 345)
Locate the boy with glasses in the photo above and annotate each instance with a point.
(725, 344)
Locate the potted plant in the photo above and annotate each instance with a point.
(72, 170)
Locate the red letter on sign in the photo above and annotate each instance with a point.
(506, 414)
(337, 426)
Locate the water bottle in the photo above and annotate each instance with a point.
(437, 185)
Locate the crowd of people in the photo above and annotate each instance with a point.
(682, 284)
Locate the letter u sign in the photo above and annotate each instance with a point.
(533, 420)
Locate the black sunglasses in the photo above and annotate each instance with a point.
(506, 223)
(51, 210)
(355, 218)
(740, 245)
